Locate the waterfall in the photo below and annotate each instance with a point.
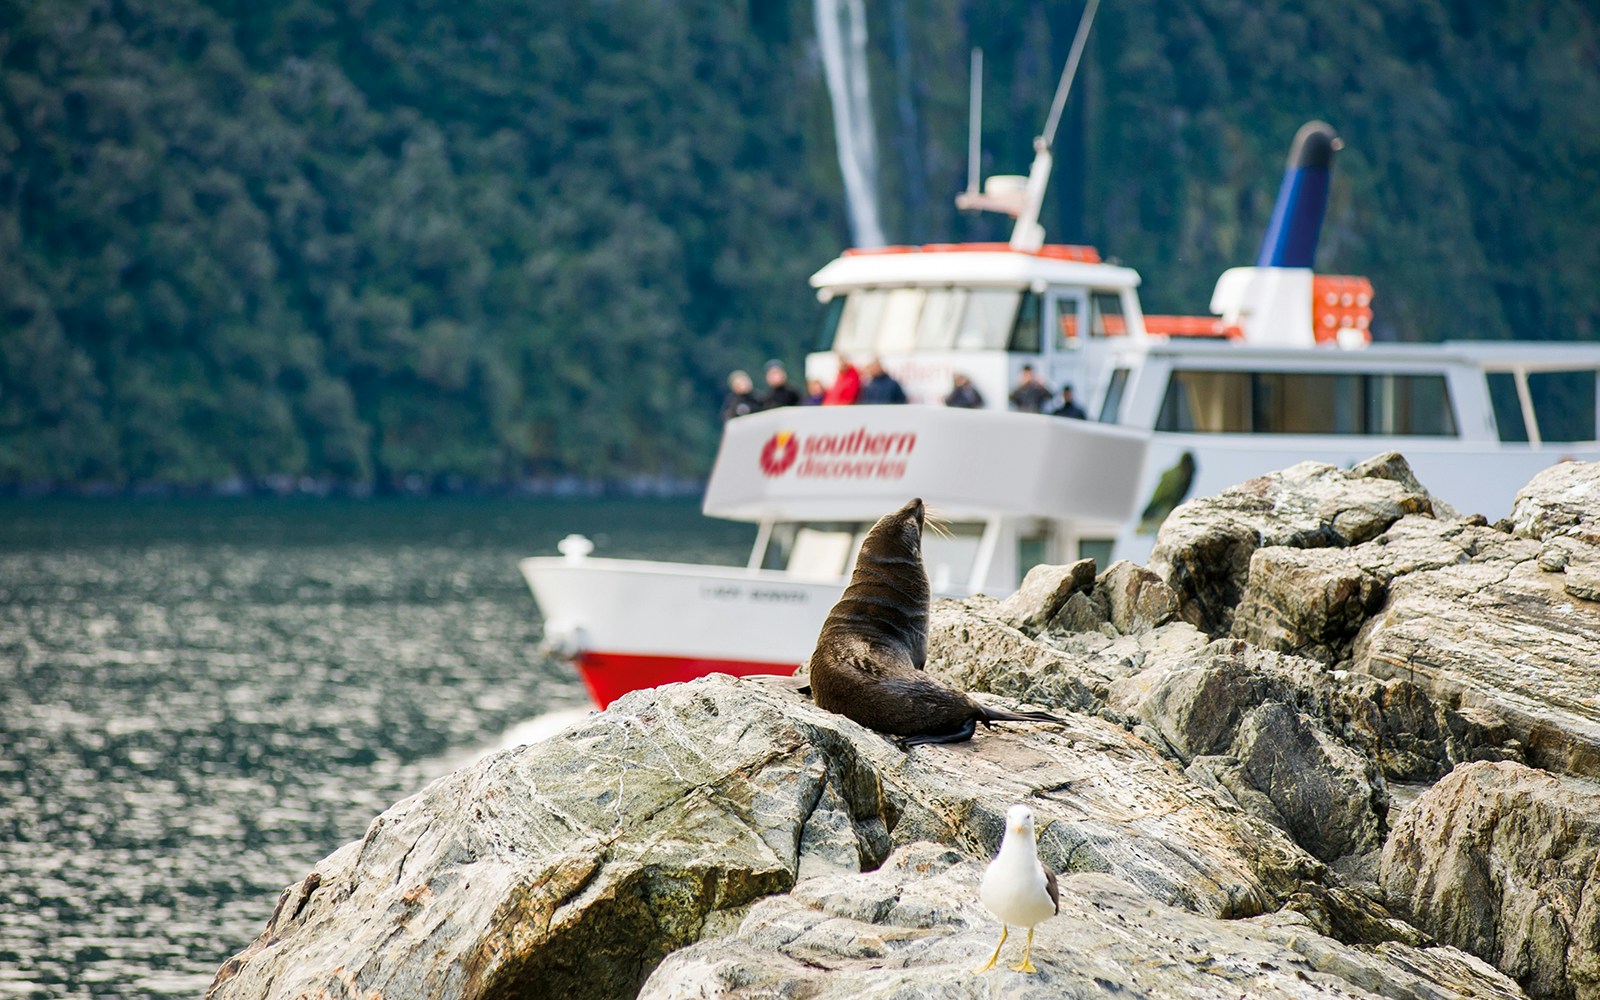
(842, 35)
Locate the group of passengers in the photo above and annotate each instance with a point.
(869, 384)
(1032, 396)
(872, 385)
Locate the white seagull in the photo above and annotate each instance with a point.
(1018, 888)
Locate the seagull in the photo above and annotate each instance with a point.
(1018, 888)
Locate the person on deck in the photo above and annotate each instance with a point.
(815, 390)
(846, 385)
(779, 392)
(963, 393)
(741, 397)
(1068, 408)
(880, 386)
(1030, 395)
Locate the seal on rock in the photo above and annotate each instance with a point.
(867, 664)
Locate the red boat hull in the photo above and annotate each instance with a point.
(609, 676)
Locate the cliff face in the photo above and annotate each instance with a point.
(1334, 740)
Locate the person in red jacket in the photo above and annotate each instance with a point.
(846, 385)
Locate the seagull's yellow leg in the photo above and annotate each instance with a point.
(1026, 965)
(985, 967)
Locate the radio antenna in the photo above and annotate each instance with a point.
(1068, 72)
(975, 121)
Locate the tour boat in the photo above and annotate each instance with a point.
(1284, 371)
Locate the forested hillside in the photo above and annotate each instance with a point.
(471, 243)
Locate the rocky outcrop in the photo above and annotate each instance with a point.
(1329, 743)
(1501, 860)
(577, 864)
(914, 929)
(1488, 621)
(1205, 547)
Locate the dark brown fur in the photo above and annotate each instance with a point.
(867, 664)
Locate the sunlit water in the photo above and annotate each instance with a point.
(201, 699)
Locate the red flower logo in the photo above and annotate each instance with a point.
(779, 453)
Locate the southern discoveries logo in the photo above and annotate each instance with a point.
(859, 454)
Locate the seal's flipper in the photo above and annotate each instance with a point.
(959, 736)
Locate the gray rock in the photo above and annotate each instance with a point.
(1504, 862)
(1505, 648)
(1312, 602)
(1331, 799)
(914, 929)
(1204, 547)
(1393, 465)
(1044, 590)
(1582, 582)
(1137, 600)
(572, 867)
(1561, 501)
(1080, 613)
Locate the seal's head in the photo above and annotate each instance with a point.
(899, 532)
(888, 594)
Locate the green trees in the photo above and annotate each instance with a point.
(387, 244)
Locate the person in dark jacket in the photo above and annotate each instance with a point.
(964, 394)
(1030, 395)
(878, 386)
(741, 397)
(779, 392)
(1068, 408)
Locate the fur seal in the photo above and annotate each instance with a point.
(867, 664)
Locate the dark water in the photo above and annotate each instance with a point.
(201, 699)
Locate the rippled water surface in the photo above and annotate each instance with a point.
(201, 699)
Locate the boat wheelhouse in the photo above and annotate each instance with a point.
(1284, 371)
(1216, 403)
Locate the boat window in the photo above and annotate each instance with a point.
(1507, 406)
(1098, 549)
(941, 313)
(830, 323)
(1210, 402)
(1031, 552)
(858, 324)
(1067, 323)
(1564, 404)
(814, 551)
(901, 311)
(1113, 401)
(1105, 315)
(1025, 335)
(950, 560)
(988, 318)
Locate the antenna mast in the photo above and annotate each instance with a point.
(975, 121)
(1028, 234)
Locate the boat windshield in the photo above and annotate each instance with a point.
(1551, 405)
(813, 550)
(1564, 404)
(899, 320)
(1269, 402)
(825, 550)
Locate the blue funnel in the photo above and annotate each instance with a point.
(1291, 239)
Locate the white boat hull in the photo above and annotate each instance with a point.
(631, 624)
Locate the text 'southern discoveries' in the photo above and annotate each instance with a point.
(859, 454)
